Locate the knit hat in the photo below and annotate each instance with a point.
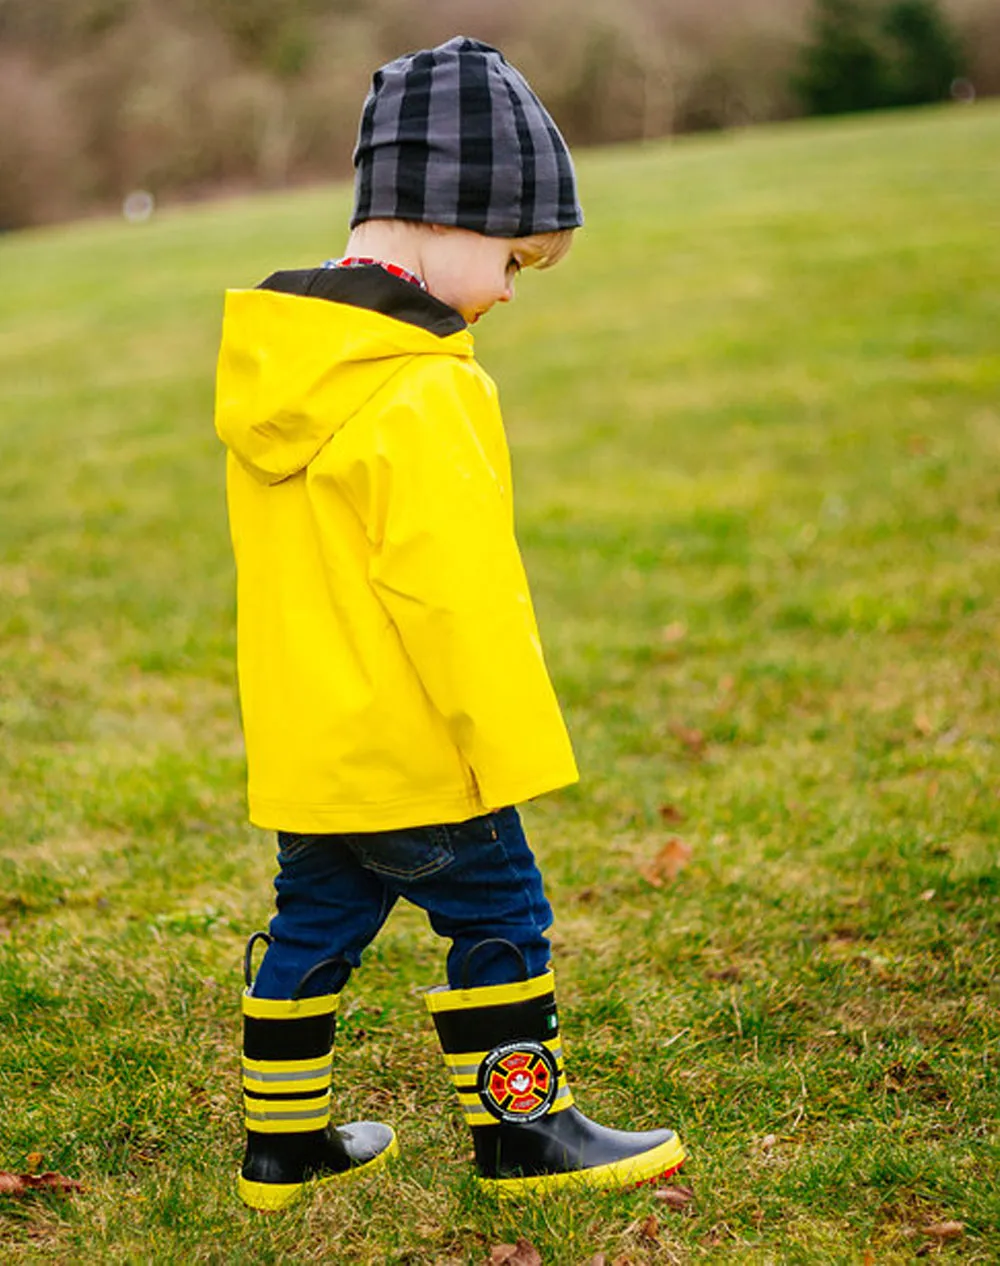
(454, 135)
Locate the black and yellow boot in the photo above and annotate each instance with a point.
(287, 1066)
(502, 1048)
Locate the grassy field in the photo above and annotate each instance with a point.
(756, 434)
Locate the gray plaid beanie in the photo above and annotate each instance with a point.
(454, 135)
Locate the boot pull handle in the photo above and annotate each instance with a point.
(248, 956)
(318, 967)
(491, 940)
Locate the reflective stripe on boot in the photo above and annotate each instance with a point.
(502, 1048)
(287, 1066)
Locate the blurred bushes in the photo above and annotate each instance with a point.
(100, 97)
(865, 57)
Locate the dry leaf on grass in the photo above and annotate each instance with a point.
(674, 1197)
(21, 1184)
(668, 862)
(520, 1254)
(649, 1227)
(671, 813)
(944, 1230)
(690, 738)
(724, 973)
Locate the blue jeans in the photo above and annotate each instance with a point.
(477, 880)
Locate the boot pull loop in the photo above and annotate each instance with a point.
(491, 940)
(318, 967)
(248, 956)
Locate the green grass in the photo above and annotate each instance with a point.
(756, 435)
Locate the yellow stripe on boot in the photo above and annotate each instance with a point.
(502, 1049)
(287, 1067)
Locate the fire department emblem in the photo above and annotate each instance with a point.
(518, 1081)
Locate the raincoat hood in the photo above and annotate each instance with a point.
(294, 369)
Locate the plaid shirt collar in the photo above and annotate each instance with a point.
(362, 261)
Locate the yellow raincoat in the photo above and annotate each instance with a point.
(390, 668)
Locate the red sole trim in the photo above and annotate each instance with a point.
(658, 1178)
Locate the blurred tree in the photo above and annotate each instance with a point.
(274, 35)
(927, 55)
(52, 28)
(841, 68)
(862, 57)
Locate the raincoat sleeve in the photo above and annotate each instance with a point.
(445, 565)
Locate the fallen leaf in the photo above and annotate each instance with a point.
(671, 813)
(674, 1197)
(724, 973)
(692, 739)
(668, 862)
(520, 1254)
(20, 1184)
(649, 1228)
(944, 1230)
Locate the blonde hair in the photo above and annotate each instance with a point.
(545, 250)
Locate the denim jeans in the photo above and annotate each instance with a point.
(477, 880)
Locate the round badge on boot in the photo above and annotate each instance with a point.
(518, 1081)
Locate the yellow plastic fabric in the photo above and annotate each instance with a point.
(390, 668)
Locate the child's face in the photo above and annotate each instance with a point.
(470, 271)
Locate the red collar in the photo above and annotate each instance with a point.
(361, 261)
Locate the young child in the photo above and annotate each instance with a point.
(396, 705)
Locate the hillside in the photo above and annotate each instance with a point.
(755, 432)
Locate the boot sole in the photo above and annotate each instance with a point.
(269, 1197)
(650, 1166)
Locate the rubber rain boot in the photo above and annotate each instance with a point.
(502, 1049)
(287, 1068)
